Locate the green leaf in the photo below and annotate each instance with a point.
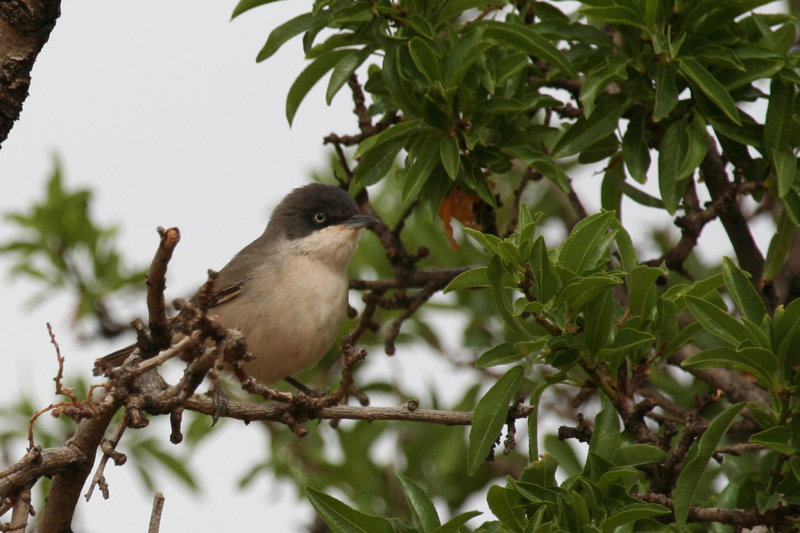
(605, 435)
(676, 342)
(641, 289)
(454, 524)
(786, 319)
(541, 162)
(631, 513)
(247, 5)
(671, 156)
(452, 9)
(759, 362)
(580, 290)
(451, 156)
(785, 163)
(605, 148)
(400, 130)
(585, 132)
(766, 501)
(627, 342)
(526, 39)
(475, 277)
(489, 242)
(696, 461)
(666, 90)
(426, 60)
(775, 438)
(283, 33)
(417, 173)
(697, 144)
(610, 191)
(357, 12)
(634, 147)
(615, 14)
(495, 274)
(778, 123)
(461, 58)
(533, 419)
(618, 475)
(597, 79)
(342, 518)
(744, 295)
(599, 320)
(501, 354)
(791, 206)
(545, 278)
(714, 54)
(343, 70)
(716, 321)
(308, 78)
(490, 416)
(401, 89)
(578, 252)
(639, 454)
(421, 25)
(503, 503)
(377, 163)
(710, 86)
(422, 509)
(627, 252)
(778, 247)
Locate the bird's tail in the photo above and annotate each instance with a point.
(113, 359)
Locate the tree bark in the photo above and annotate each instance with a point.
(25, 26)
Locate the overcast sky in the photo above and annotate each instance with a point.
(160, 109)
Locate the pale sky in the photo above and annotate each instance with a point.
(161, 109)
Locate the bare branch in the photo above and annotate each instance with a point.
(72, 464)
(156, 283)
(109, 451)
(736, 226)
(270, 411)
(777, 519)
(22, 510)
(155, 516)
(736, 387)
(413, 279)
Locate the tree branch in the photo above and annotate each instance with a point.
(777, 519)
(73, 470)
(734, 222)
(24, 28)
(156, 284)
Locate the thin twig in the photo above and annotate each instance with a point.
(155, 515)
(75, 408)
(109, 451)
(156, 283)
(777, 519)
(22, 510)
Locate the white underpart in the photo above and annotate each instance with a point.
(295, 305)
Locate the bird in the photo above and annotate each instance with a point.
(287, 290)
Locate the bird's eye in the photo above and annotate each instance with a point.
(320, 217)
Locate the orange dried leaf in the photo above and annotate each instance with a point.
(461, 206)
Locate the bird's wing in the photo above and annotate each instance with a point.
(225, 294)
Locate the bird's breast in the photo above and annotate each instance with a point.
(290, 313)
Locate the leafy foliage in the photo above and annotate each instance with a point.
(481, 97)
(483, 113)
(61, 246)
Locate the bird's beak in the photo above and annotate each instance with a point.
(360, 221)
